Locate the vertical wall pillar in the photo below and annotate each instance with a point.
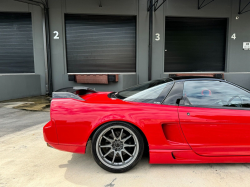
(158, 43)
(38, 44)
(143, 40)
(57, 43)
(150, 47)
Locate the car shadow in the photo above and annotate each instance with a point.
(83, 170)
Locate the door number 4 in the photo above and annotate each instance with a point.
(233, 36)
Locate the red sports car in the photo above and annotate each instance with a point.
(180, 120)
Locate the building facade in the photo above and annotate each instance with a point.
(112, 37)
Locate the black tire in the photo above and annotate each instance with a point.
(118, 154)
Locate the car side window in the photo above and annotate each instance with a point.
(215, 94)
(151, 95)
(175, 95)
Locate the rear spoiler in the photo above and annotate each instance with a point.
(72, 92)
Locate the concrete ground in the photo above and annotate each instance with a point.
(26, 161)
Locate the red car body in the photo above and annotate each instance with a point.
(174, 134)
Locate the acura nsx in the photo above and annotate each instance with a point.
(181, 120)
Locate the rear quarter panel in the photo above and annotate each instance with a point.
(75, 120)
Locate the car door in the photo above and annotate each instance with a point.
(160, 105)
(215, 118)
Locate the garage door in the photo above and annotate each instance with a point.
(16, 43)
(100, 44)
(195, 44)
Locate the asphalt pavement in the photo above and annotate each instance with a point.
(14, 120)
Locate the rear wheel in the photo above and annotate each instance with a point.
(117, 147)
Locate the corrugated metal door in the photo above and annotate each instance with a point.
(16, 43)
(100, 44)
(195, 44)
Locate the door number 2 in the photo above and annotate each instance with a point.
(56, 37)
(157, 37)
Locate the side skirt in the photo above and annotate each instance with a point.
(189, 157)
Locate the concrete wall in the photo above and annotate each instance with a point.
(24, 85)
(237, 60)
(109, 7)
(18, 86)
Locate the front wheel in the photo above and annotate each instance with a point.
(117, 147)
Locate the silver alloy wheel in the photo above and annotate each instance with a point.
(117, 147)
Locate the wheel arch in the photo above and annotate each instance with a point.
(146, 145)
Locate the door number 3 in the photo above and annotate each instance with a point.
(157, 37)
(56, 37)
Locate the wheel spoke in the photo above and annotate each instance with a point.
(120, 137)
(102, 146)
(124, 150)
(113, 134)
(125, 139)
(108, 139)
(108, 153)
(114, 157)
(120, 153)
(128, 145)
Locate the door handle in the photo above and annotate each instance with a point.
(188, 114)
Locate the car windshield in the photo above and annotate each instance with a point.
(141, 87)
